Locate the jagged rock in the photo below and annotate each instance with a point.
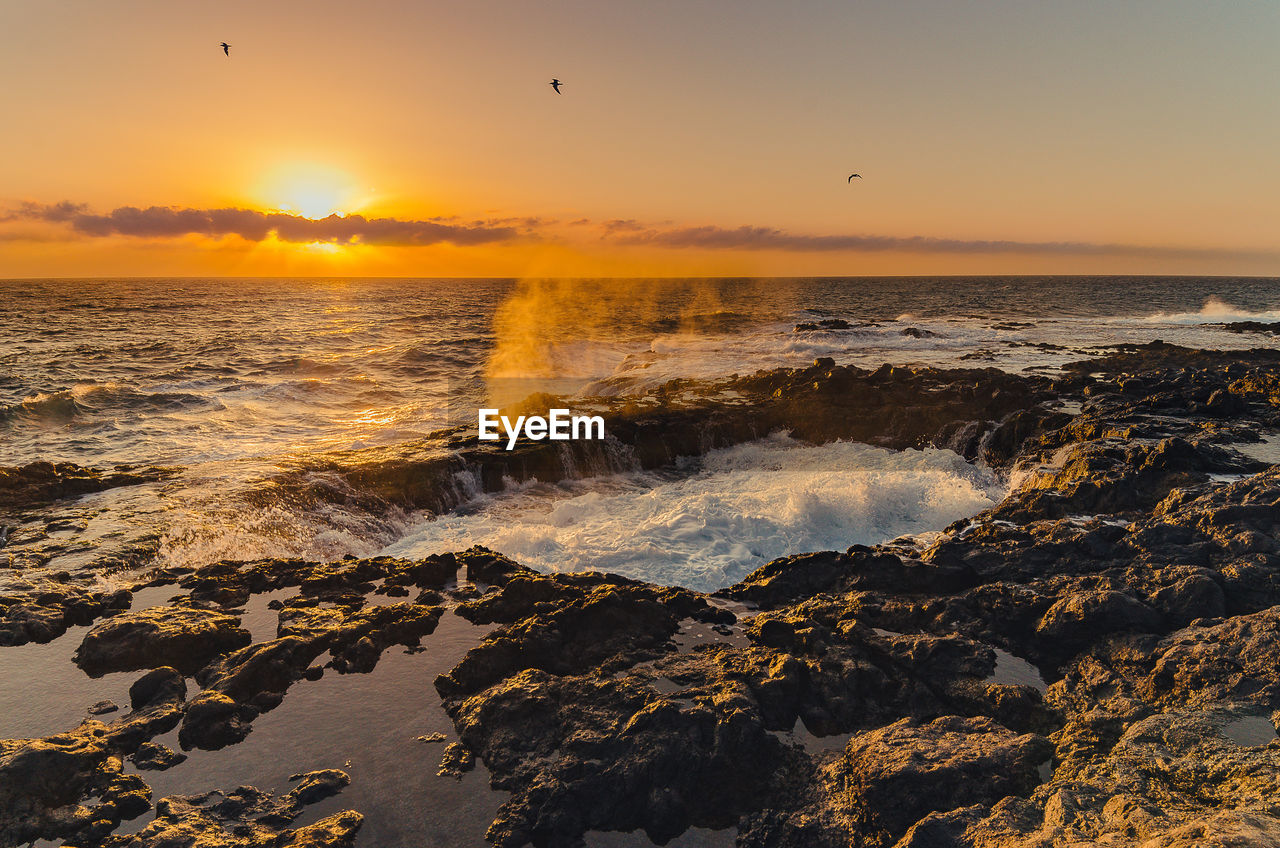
(486, 566)
(1082, 617)
(610, 755)
(457, 760)
(42, 781)
(39, 483)
(214, 721)
(46, 614)
(824, 324)
(185, 638)
(24, 623)
(164, 684)
(247, 818)
(244, 683)
(1251, 327)
(156, 757)
(890, 778)
(317, 785)
(794, 578)
(574, 637)
(1197, 596)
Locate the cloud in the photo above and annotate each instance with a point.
(56, 213)
(770, 238)
(159, 222)
(250, 224)
(623, 225)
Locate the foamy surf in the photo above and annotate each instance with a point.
(730, 512)
(1214, 311)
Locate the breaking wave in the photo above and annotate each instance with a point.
(1214, 311)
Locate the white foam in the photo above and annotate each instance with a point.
(737, 509)
(204, 528)
(1214, 311)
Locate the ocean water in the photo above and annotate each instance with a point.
(228, 381)
(729, 513)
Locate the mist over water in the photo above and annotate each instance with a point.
(230, 381)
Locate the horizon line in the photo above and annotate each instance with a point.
(473, 277)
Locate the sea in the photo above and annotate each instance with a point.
(225, 382)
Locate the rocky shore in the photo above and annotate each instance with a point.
(1092, 661)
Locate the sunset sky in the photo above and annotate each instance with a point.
(693, 137)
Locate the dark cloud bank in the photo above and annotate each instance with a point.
(250, 224)
(769, 238)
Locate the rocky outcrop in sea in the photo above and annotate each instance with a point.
(1092, 661)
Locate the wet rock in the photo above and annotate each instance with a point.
(247, 818)
(456, 762)
(486, 566)
(102, 708)
(891, 407)
(346, 582)
(1082, 617)
(818, 666)
(156, 757)
(38, 483)
(824, 324)
(161, 685)
(245, 683)
(891, 778)
(317, 785)
(794, 578)
(185, 638)
(46, 612)
(260, 674)
(213, 720)
(608, 622)
(126, 797)
(336, 831)
(520, 597)
(24, 623)
(1251, 327)
(1103, 476)
(579, 754)
(1197, 596)
(42, 781)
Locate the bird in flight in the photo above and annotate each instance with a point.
(851, 176)
(226, 48)
(555, 83)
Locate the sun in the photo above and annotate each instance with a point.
(310, 189)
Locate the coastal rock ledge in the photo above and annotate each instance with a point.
(1091, 662)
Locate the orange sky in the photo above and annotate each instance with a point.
(1136, 137)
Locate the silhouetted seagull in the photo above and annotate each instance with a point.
(851, 176)
(555, 83)
(226, 48)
